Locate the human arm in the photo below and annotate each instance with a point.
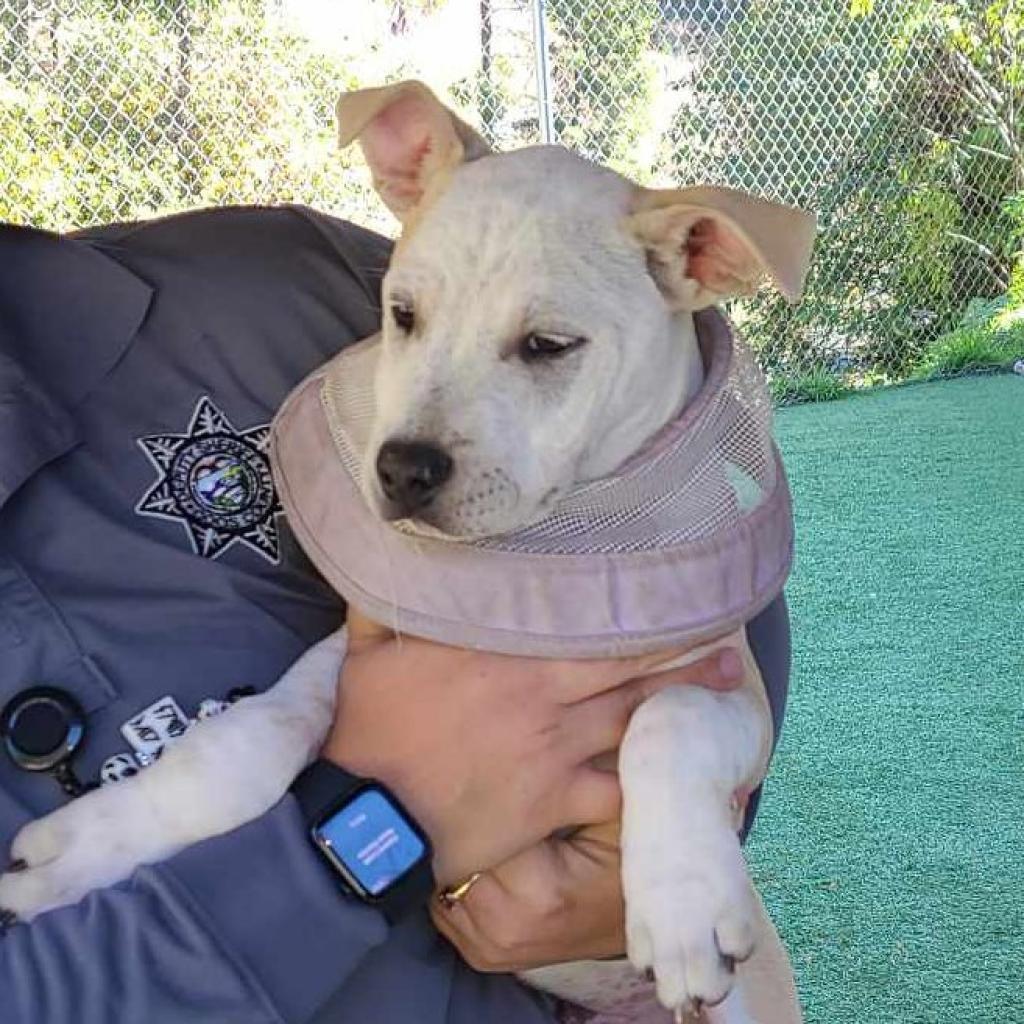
(494, 753)
(562, 899)
(222, 906)
(245, 927)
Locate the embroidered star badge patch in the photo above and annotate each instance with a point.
(215, 481)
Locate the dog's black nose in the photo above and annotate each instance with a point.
(411, 473)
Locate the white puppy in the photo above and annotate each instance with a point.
(537, 331)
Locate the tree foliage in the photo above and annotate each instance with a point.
(119, 111)
(602, 78)
(901, 122)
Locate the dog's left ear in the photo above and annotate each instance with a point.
(411, 141)
(706, 244)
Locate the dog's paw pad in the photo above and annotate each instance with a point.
(709, 974)
(26, 893)
(56, 860)
(735, 936)
(689, 1013)
(692, 926)
(40, 841)
(639, 947)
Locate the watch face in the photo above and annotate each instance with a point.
(371, 841)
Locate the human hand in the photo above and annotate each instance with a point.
(492, 753)
(558, 901)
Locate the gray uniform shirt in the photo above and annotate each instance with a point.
(143, 557)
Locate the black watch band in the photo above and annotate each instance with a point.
(321, 784)
(319, 788)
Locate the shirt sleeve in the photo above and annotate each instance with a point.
(769, 638)
(245, 928)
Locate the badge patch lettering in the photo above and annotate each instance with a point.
(215, 481)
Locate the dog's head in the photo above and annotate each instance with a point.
(536, 313)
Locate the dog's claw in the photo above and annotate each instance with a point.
(16, 866)
(8, 919)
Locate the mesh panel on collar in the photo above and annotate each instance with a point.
(689, 539)
(703, 473)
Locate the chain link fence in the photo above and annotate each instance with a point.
(898, 121)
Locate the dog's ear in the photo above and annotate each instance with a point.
(412, 141)
(706, 244)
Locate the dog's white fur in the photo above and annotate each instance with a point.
(534, 241)
(497, 247)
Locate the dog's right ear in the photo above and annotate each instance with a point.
(411, 141)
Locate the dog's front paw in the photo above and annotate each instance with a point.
(690, 916)
(55, 861)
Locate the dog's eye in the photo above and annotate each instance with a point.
(403, 315)
(535, 347)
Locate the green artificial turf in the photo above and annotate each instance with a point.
(890, 845)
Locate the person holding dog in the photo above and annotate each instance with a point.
(148, 579)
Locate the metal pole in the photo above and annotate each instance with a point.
(540, 46)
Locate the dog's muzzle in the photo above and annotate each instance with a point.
(690, 538)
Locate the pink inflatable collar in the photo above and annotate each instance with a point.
(691, 538)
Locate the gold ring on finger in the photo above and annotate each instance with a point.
(455, 893)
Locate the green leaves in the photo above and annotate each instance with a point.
(900, 123)
(179, 105)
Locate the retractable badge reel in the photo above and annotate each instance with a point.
(41, 730)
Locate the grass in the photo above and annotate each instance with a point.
(970, 349)
(991, 337)
(812, 386)
(890, 847)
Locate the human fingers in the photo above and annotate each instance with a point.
(591, 795)
(464, 924)
(557, 901)
(599, 723)
(577, 680)
(501, 923)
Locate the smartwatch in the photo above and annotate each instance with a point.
(374, 847)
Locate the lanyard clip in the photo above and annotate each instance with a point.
(41, 729)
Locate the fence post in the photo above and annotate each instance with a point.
(540, 47)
